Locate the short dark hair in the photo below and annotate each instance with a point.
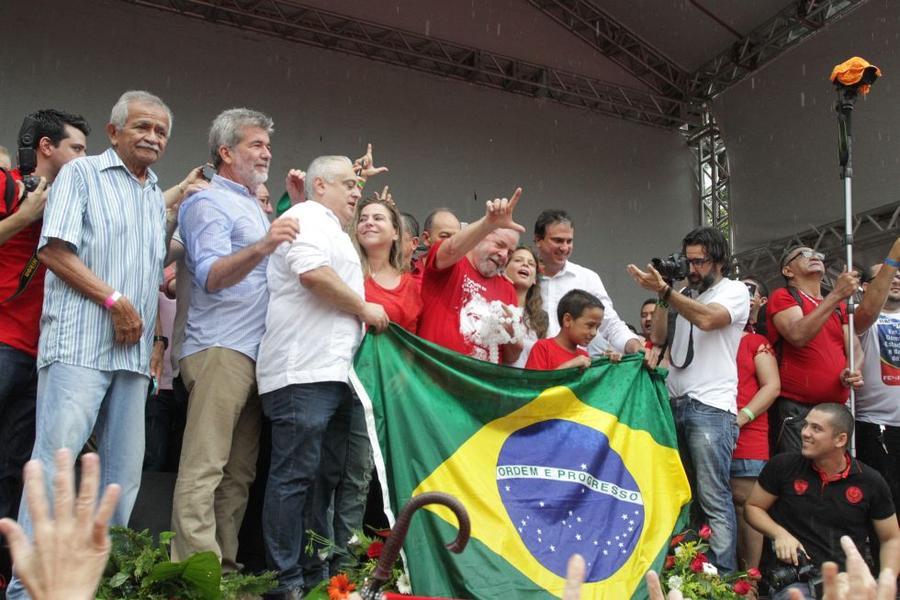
(52, 124)
(410, 224)
(549, 217)
(761, 286)
(841, 417)
(575, 302)
(648, 301)
(715, 244)
(429, 220)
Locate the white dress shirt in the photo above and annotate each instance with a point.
(613, 331)
(308, 340)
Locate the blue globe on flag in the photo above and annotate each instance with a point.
(582, 500)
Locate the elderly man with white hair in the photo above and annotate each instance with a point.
(102, 242)
(227, 240)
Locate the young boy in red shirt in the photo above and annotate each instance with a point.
(580, 314)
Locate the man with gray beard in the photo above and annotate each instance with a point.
(227, 240)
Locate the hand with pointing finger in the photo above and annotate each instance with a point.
(499, 212)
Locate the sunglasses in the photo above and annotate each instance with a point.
(698, 262)
(806, 253)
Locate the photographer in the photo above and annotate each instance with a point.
(711, 314)
(804, 502)
(53, 139)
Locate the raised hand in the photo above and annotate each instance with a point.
(294, 184)
(71, 547)
(649, 280)
(499, 212)
(365, 165)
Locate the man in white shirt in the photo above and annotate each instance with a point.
(554, 236)
(702, 380)
(313, 327)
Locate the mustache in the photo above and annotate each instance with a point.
(154, 147)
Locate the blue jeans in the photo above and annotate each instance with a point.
(353, 487)
(74, 401)
(310, 428)
(706, 440)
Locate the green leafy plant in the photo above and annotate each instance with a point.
(140, 569)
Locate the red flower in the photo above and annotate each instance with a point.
(697, 563)
(677, 540)
(753, 573)
(742, 587)
(384, 533)
(705, 532)
(374, 550)
(339, 587)
(670, 562)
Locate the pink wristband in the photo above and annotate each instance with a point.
(113, 298)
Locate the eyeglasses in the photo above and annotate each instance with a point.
(698, 262)
(805, 253)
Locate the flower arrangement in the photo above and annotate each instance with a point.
(688, 570)
(361, 560)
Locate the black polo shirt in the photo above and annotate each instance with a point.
(818, 510)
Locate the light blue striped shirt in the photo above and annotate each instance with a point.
(214, 223)
(116, 226)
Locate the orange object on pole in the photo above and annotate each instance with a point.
(851, 72)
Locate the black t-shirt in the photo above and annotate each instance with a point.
(817, 512)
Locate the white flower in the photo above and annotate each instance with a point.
(675, 582)
(678, 550)
(353, 541)
(403, 584)
(710, 569)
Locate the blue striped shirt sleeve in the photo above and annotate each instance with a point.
(64, 215)
(206, 230)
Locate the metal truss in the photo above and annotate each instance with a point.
(618, 43)
(794, 23)
(871, 229)
(713, 175)
(286, 19)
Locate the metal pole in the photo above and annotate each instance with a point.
(844, 107)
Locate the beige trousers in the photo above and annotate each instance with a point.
(218, 455)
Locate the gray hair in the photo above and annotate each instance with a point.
(119, 114)
(324, 167)
(226, 129)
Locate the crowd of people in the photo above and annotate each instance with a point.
(237, 320)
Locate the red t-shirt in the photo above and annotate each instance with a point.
(20, 318)
(753, 441)
(403, 304)
(811, 374)
(547, 355)
(445, 293)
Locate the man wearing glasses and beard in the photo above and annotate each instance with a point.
(702, 382)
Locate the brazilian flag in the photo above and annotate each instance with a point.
(548, 464)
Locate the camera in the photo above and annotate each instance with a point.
(783, 574)
(27, 154)
(673, 267)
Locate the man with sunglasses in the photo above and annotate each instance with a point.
(711, 314)
(810, 332)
